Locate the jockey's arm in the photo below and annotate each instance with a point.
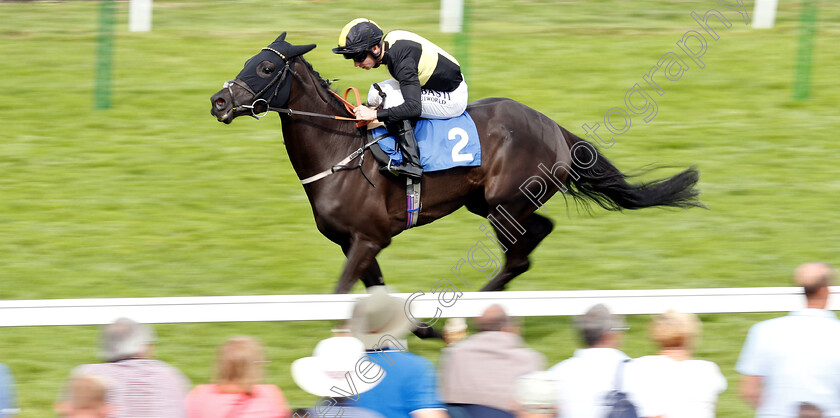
(405, 72)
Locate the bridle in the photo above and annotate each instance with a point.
(278, 79)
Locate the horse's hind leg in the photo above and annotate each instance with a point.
(536, 228)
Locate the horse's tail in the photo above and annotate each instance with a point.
(601, 182)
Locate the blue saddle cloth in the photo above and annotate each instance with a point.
(443, 143)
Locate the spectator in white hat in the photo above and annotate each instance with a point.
(337, 372)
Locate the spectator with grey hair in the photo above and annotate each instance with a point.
(584, 380)
(482, 369)
(796, 358)
(672, 383)
(139, 385)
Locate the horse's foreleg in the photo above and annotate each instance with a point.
(373, 275)
(361, 263)
(516, 257)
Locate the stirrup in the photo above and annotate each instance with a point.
(402, 170)
(388, 168)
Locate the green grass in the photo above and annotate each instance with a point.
(155, 198)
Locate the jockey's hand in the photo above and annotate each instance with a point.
(365, 113)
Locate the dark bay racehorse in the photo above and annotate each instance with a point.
(526, 158)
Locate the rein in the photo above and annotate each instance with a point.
(347, 105)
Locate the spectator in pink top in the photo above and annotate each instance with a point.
(238, 391)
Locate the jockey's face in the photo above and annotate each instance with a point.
(369, 61)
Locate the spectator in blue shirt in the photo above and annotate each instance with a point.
(8, 402)
(408, 388)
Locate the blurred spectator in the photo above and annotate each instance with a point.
(331, 372)
(409, 386)
(455, 330)
(85, 398)
(585, 379)
(139, 385)
(342, 329)
(238, 391)
(671, 383)
(8, 402)
(536, 395)
(795, 358)
(482, 369)
(809, 410)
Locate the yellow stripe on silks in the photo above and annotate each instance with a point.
(426, 66)
(342, 37)
(429, 56)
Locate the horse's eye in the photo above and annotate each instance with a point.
(265, 69)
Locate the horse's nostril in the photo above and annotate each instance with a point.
(220, 102)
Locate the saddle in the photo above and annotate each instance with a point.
(443, 143)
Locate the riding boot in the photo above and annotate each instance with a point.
(403, 134)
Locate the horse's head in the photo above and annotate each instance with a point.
(264, 82)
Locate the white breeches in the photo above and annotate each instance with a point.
(434, 104)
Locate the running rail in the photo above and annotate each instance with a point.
(162, 310)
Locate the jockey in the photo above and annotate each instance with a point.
(427, 83)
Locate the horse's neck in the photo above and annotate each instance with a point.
(315, 144)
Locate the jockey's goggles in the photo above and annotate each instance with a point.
(357, 57)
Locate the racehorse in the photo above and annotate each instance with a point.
(525, 159)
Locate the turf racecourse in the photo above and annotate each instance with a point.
(155, 198)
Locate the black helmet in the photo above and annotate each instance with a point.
(358, 36)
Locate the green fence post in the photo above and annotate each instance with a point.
(102, 92)
(807, 29)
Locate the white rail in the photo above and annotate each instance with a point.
(333, 307)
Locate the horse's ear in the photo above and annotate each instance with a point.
(281, 38)
(297, 50)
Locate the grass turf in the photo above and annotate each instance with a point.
(155, 198)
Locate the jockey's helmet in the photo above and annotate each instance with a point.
(357, 38)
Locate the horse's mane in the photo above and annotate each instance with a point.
(325, 84)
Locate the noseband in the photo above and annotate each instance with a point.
(278, 80)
